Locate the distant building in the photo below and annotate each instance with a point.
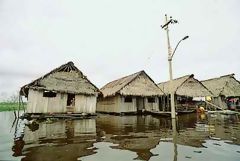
(64, 89)
(185, 88)
(130, 94)
(223, 88)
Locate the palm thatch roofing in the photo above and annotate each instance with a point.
(65, 79)
(225, 85)
(137, 84)
(185, 86)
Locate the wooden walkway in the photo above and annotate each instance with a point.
(160, 113)
(59, 115)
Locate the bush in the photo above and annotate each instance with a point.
(10, 106)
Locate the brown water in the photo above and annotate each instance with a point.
(122, 138)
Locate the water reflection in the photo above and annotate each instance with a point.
(174, 130)
(18, 136)
(60, 140)
(127, 137)
(138, 134)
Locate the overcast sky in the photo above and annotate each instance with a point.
(108, 39)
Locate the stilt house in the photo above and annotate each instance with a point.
(130, 94)
(64, 89)
(223, 88)
(184, 88)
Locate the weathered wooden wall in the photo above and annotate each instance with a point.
(151, 106)
(85, 104)
(109, 104)
(117, 105)
(39, 104)
(128, 106)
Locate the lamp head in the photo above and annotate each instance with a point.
(185, 37)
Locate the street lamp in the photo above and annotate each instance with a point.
(173, 113)
(186, 37)
(170, 56)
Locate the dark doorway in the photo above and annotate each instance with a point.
(71, 100)
(140, 104)
(161, 103)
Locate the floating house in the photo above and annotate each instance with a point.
(185, 88)
(223, 88)
(64, 89)
(130, 94)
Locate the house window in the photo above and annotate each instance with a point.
(151, 100)
(71, 100)
(49, 94)
(128, 99)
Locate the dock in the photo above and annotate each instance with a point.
(59, 115)
(159, 113)
(224, 112)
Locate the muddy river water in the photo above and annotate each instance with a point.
(122, 138)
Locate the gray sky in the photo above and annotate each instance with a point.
(108, 39)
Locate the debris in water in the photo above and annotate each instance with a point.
(214, 138)
(166, 139)
(228, 141)
(216, 144)
(197, 151)
(188, 157)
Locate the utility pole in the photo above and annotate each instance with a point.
(165, 26)
(170, 56)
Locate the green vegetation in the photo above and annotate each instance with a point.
(10, 106)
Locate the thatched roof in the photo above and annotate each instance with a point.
(225, 85)
(185, 86)
(137, 84)
(65, 79)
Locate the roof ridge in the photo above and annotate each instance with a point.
(117, 85)
(189, 75)
(227, 75)
(136, 74)
(70, 63)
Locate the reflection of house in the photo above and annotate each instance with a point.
(141, 143)
(223, 87)
(134, 133)
(132, 93)
(61, 130)
(61, 140)
(64, 89)
(185, 88)
(124, 124)
(61, 151)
